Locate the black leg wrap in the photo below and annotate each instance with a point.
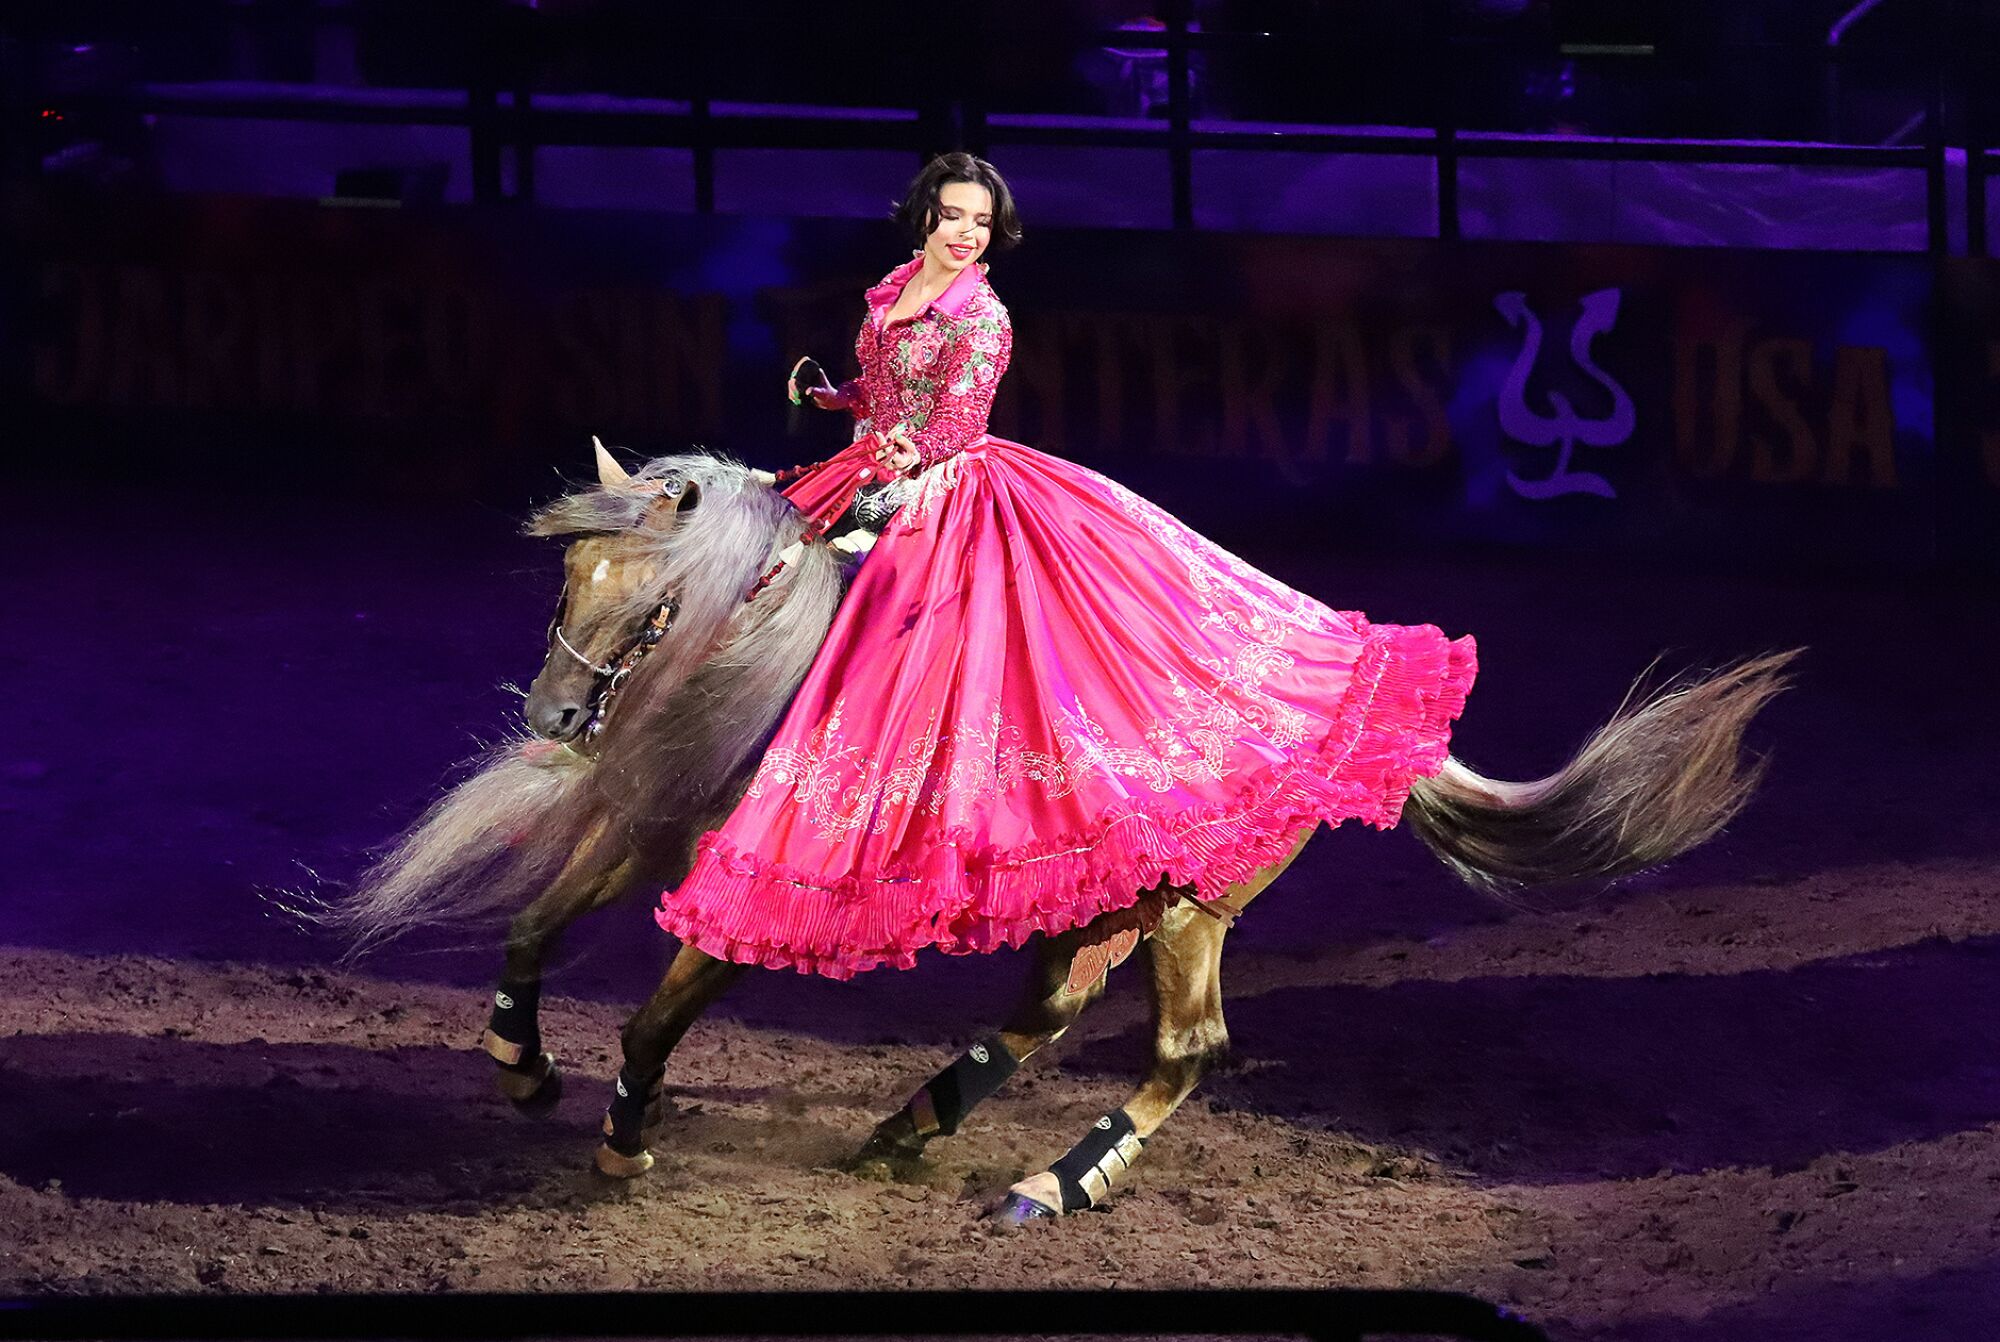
(1094, 1164)
(952, 1093)
(625, 1120)
(516, 1020)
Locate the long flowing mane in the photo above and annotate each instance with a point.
(681, 741)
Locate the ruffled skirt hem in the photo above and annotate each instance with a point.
(1393, 725)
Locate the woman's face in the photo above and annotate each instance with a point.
(964, 226)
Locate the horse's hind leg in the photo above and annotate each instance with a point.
(694, 980)
(592, 878)
(1189, 1038)
(1055, 995)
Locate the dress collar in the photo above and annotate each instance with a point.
(951, 302)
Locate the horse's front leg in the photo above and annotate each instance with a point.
(598, 872)
(1055, 995)
(694, 980)
(1189, 1038)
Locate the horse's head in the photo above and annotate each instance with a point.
(657, 614)
(620, 585)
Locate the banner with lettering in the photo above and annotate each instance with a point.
(1326, 392)
(1728, 402)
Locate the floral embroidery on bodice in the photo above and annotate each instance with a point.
(934, 374)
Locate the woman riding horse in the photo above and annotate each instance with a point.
(1044, 706)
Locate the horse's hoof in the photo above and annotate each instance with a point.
(871, 1168)
(1019, 1210)
(622, 1166)
(535, 1089)
(545, 1099)
(893, 1153)
(885, 1161)
(878, 1169)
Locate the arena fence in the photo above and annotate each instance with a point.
(504, 52)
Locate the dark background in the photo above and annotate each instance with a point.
(303, 306)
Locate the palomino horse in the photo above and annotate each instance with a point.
(693, 604)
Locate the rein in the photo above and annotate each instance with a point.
(612, 675)
(815, 526)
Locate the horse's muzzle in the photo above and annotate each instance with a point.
(556, 720)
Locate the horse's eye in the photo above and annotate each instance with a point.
(672, 486)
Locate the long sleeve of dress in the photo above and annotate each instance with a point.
(980, 347)
(854, 395)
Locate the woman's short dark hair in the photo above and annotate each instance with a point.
(919, 211)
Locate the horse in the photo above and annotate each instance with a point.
(695, 597)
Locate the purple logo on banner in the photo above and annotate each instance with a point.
(1565, 427)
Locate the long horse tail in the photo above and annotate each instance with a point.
(1663, 775)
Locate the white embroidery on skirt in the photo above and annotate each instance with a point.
(845, 789)
(985, 760)
(1273, 614)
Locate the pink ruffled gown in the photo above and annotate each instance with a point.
(1042, 694)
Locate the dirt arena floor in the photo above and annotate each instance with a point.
(1754, 1096)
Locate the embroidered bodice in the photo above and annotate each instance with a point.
(935, 373)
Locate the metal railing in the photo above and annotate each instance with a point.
(505, 118)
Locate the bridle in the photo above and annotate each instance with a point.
(612, 675)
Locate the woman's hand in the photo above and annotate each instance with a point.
(815, 386)
(897, 452)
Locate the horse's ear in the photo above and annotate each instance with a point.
(609, 473)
